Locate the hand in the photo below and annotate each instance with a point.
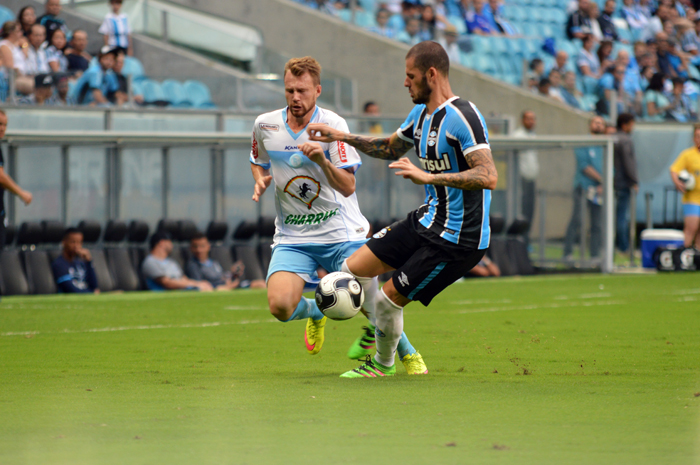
(599, 189)
(313, 151)
(203, 286)
(261, 186)
(322, 132)
(85, 255)
(26, 197)
(635, 188)
(679, 186)
(410, 171)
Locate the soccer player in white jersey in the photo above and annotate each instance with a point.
(318, 220)
(443, 239)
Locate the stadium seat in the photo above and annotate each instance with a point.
(519, 256)
(12, 278)
(153, 93)
(91, 231)
(185, 230)
(175, 93)
(368, 5)
(29, 233)
(216, 231)
(480, 44)
(198, 93)
(124, 276)
(133, 67)
(10, 233)
(498, 45)
(169, 226)
(498, 252)
(136, 236)
(466, 59)
(364, 19)
(245, 252)
(115, 231)
(6, 15)
(39, 275)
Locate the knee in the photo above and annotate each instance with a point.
(281, 307)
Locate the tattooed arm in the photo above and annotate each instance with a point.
(481, 175)
(390, 148)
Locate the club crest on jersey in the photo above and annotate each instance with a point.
(304, 189)
(269, 127)
(432, 138)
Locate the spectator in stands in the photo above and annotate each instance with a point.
(635, 17)
(7, 183)
(485, 269)
(78, 58)
(37, 61)
(14, 50)
(477, 22)
(604, 54)
(449, 43)
(50, 19)
(429, 24)
(555, 85)
(655, 104)
(536, 73)
(688, 39)
(43, 90)
(645, 76)
(626, 179)
(528, 168)
(61, 97)
(116, 30)
(163, 273)
(605, 21)
(656, 23)
(26, 17)
(610, 82)
(579, 23)
(681, 108)
(587, 61)
(412, 34)
(593, 15)
(121, 95)
(98, 81)
(73, 269)
(373, 127)
(569, 91)
(689, 160)
(561, 62)
(670, 62)
(588, 187)
(543, 87)
(54, 53)
(382, 28)
(202, 268)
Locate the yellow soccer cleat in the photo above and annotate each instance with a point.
(314, 335)
(414, 364)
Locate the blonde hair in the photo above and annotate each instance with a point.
(300, 66)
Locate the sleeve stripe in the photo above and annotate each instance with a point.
(64, 278)
(475, 147)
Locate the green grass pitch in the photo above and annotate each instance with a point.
(557, 370)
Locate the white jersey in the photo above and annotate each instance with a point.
(309, 210)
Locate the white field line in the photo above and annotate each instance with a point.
(686, 291)
(143, 327)
(547, 306)
(482, 301)
(243, 307)
(688, 298)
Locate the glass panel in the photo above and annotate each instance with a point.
(141, 189)
(39, 172)
(162, 121)
(239, 124)
(87, 190)
(190, 181)
(55, 120)
(238, 189)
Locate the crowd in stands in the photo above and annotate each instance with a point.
(646, 51)
(51, 66)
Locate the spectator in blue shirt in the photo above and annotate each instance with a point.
(681, 108)
(588, 187)
(605, 21)
(73, 270)
(412, 34)
(97, 81)
(51, 21)
(382, 28)
(477, 22)
(669, 62)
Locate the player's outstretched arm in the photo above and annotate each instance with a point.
(262, 180)
(388, 148)
(481, 175)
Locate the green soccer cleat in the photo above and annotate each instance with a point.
(414, 364)
(314, 335)
(370, 369)
(363, 345)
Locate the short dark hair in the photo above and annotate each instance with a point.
(624, 118)
(544, 82)
(70, 231)
(429, 54)
(535, 62)
(159, 236)
(369, 104)
(197, 236)
(677, 80)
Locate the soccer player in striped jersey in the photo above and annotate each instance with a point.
(443, 239)
(318, 222)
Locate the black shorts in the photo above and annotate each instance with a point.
(425, 263)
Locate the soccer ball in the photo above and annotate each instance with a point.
(687, 179)
(339, 296)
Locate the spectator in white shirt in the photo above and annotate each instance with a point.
(116, 30)
(449, 43)
(37, 61)
(13, 56)
(54, 52)
(528, 166)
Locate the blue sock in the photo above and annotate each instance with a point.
(405, 347)
(306, 308)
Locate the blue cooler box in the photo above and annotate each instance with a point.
(652, 239)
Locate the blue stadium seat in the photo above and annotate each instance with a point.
(505, 64)
(198, 93)
(530, 47)
(153, 93)
(368, 5)
(559, 16)
(6, 15)
(535, 14)
(364, 19)
(484, 64)
(346, 15)
(530, 30)
(480, 44)
(466, 59)
(175, 93)
(518, 14)
(498, 45)
(134, 68)
(569, 47)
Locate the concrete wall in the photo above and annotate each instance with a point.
(377, 64)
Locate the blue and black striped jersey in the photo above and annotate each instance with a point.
(442, 140)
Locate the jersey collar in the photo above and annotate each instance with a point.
(295, 135)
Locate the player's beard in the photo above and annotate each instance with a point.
(301, 112)
(422, 92)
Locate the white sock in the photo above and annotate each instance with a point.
(388, 329)
(370, 286)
